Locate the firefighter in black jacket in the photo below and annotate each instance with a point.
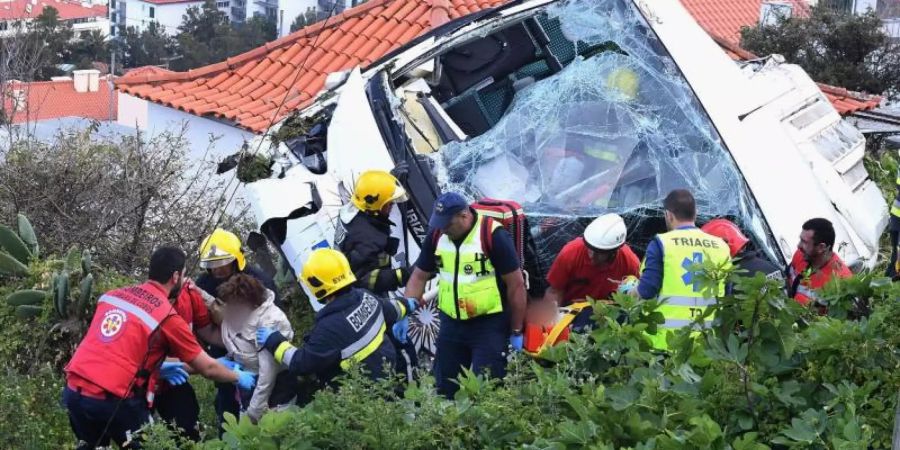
(351, 328)
(364, 236)
(749, 262)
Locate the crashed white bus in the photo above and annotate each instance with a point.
(573, 109)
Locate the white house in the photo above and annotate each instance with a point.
(140, 13)
(84, 18)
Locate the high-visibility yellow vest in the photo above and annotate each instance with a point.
(895, 207)
(684, 300)
(467, 280)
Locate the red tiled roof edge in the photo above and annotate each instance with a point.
(212, 69)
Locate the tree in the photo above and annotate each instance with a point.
(206, 36)
(834, 47)
(304, 20)
(120, 197)
(54, 38)
(150, 47)
(88, 48)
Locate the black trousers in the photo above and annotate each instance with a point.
(892, 264)
(95, 422)
(178, 406)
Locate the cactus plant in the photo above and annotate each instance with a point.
(61, 293)
(26, 233)
(28, 311)
(73, 260)
(13, 244)
(86, 265)
(26, 297)
(9, 265)
(86, 289)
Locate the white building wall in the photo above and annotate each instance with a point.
(132, 111)
(200, 132)
(288, 10)
(170, 15)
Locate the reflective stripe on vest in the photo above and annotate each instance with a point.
(468, 283)
(148, 320)
(680, 291)
(365, 346)
(895, 207)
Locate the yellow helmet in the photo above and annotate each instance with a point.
(326, 272)
(376, 188)
(221, 248)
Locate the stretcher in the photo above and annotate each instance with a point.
(542, 333)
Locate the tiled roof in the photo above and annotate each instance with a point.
(55, 99)
(247, 89)
(725, 18)
(141, 74)
(844, 101)
(68, 9)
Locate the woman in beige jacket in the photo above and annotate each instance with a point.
(248, 306)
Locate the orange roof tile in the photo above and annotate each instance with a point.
(248, 88)
(725, 18)
(56, 99)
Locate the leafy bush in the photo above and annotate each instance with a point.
(30, 415)
(770, 375)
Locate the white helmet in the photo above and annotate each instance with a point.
(606, 232)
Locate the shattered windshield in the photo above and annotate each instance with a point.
(614, 130)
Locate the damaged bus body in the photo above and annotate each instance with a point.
(573, 108)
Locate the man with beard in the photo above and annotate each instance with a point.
(110, 379)
(814, 263)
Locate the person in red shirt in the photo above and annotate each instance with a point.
(111, 378)
(814, 263)
(594, 265)
(177, 403)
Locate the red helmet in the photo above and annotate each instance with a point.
(728, 232)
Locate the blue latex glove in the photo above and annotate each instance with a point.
(246, 380)
(411, 305)
(230, 364)
(516, 341)
(173, 373)
(262, 335)
(401, 330)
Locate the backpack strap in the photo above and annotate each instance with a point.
(487, 235)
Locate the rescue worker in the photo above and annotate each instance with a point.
(814, 263)
(177, 403)
(349, 329)
(111, 378)
(221, 257)
(749, 262)
(666, 273)
(592, 266)
(894, 228)
(363, 235)
(481, 291)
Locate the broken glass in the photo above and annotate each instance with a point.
(614, 131)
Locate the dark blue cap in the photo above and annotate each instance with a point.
(445, 207)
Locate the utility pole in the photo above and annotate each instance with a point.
(112, 62)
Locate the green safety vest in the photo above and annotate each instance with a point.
(895, 207)
(467, 285)
(684, 300)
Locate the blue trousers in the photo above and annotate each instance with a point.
(479, 344)
(89, 417)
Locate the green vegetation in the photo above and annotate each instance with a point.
(785, 379)
(835, 47)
